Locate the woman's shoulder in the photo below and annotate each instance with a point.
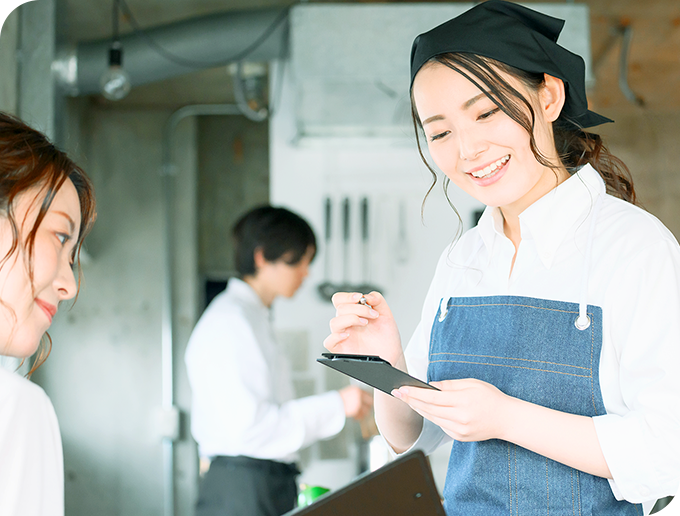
(18, 393)
(26, 412)
(634, 223)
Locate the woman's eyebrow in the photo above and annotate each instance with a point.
(432, 119)
(71, 223)
(468, 104)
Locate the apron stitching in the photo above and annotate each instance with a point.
(516, 486)
(520, 305)
(547, 485)
(578, 490)
(510, 479)
(573, 505)
(513, 367)
(523, 359)
(592, 379)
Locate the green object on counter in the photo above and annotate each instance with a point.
(310, 493)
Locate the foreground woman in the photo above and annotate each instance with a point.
(552, 327)
(46, 209)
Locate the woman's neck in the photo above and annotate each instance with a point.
(511, 227)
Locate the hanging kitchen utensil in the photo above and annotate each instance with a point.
(345, 245)
(365, 287)
(402, 246)
(327, 288)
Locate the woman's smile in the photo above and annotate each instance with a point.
(486, 175)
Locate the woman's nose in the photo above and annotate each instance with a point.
(66, 281)
(470, 146)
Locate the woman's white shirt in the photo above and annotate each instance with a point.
(31, 457)
(635, 278)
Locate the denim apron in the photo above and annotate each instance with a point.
(541, 351)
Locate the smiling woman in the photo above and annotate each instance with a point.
(546, 326)
(46, 208)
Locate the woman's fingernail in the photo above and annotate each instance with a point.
(374, 313)
(356, 297)
(396, 393)
(363, 321)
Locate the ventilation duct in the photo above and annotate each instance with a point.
(176, 49)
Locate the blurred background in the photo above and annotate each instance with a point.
(206, 108)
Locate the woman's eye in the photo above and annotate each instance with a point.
(63, 237)
(487, 114)
(438, 136)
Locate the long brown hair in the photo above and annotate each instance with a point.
(28, 159)
(575, 146)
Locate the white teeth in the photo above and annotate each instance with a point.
(490, 169)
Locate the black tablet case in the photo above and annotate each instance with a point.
(403, 487)
(371, 370)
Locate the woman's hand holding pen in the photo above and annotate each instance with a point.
(366, 329)
(467, 410)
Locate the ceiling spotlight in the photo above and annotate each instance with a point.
(115, 82)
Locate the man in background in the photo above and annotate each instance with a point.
(244, 415)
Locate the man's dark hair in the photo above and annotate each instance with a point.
(280, 233)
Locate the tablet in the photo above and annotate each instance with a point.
(372, 370)
(403, 487)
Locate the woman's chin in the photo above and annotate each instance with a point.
(21, 348)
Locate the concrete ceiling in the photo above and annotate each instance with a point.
(653, 72)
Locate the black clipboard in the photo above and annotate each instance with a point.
(403, 487)
(371, 370)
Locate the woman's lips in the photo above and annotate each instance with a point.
(49, 309)
(494, 176)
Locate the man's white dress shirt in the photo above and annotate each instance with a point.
(635, 278)
(242, 392)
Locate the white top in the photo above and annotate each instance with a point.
(242, 391)
(634, 277)
(31, 458)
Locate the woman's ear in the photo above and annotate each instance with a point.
(552, 97)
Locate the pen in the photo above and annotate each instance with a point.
(362, 301)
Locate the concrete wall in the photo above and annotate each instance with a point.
(104, 374)
(109, 343)
(9, 34)
(233, 177)
(36, 99)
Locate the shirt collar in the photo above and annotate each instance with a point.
(549, 219)
(244, 292)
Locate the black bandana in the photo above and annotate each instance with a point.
(519, 37)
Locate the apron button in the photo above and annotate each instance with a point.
(582, 322)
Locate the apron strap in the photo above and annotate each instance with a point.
(443, 303)
(583, 321)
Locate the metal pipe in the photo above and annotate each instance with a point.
(168, 174)
(198, 43)
(627, 35)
